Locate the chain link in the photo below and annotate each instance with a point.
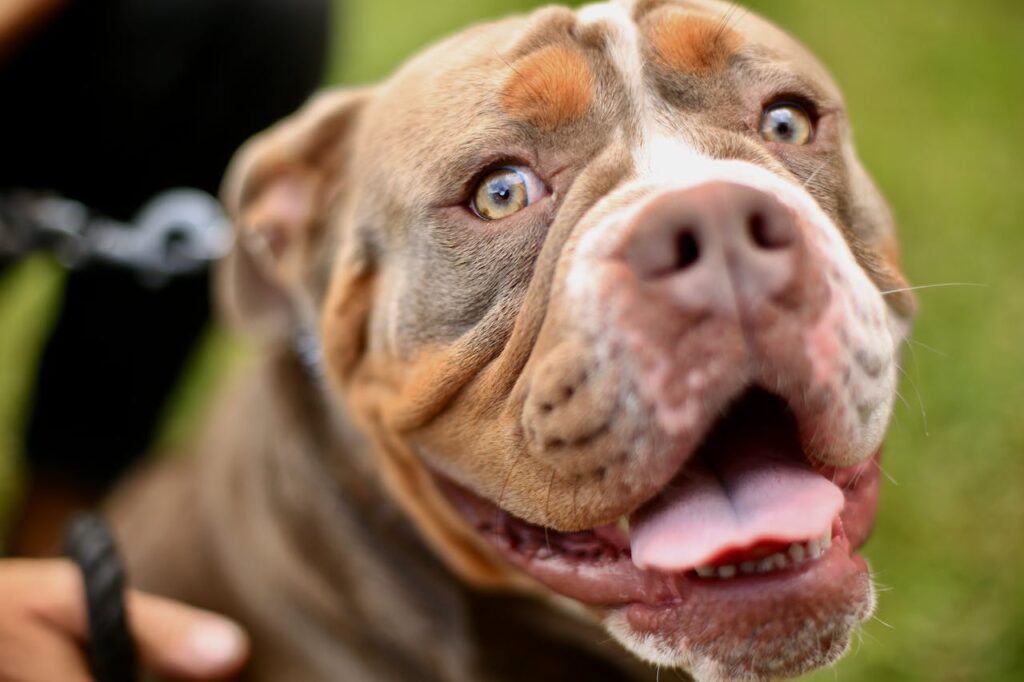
(179, 232)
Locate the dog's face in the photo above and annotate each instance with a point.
(620, 311)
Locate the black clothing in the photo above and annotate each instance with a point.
(109, 104)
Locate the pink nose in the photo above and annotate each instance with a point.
(714, 246)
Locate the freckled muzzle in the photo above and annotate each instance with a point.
(684, 400)
(696, 293)
(708, 289)
(715, 249)
(693, 295)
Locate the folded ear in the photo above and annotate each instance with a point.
(281, 192)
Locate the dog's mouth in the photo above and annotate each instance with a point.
(748, 524)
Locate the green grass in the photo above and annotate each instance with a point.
(935, 91)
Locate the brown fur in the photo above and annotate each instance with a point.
(549, 88)
(692, 43)
(312, 512)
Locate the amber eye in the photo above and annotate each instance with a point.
(787, 123)
(506, 191)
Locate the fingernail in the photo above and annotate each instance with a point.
(216, 642)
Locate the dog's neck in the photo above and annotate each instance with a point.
(336, 528)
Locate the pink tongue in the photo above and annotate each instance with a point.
(751, 493)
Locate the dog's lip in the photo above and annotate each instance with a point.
(611, 580)
(736, 600)
(696, 607)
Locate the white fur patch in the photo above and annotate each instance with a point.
(623, 45)
(665, 164)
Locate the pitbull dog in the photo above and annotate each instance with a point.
(582, 320)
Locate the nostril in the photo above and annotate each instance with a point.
(769, 232)
(687, 249)
(664, 250)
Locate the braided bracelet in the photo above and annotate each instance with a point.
(89, 543)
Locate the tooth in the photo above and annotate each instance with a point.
(797, 552)
(706, 571)
(814, 548)
(826, 539)
(726, 571)
(766, 565)
(748, 567)
(779, 560)
(623, 524)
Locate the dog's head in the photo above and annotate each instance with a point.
(620, 310)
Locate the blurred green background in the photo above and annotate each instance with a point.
(936, 94)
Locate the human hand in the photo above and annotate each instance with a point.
(44, 626)
(18, 18)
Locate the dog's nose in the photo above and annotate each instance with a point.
(714, 246)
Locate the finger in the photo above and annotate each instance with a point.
(184, 642)
(36, 652)
(173, 639)
(52, 591)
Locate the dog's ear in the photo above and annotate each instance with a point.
(281, 192)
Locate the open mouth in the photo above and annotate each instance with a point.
(748, 517)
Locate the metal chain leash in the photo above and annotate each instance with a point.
(178, 232)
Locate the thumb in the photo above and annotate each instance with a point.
(184, 642)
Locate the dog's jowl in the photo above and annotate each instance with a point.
(608, 321)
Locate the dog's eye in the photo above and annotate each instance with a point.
(787, 123)
(503, 192)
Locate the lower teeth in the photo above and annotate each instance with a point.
(796, 553)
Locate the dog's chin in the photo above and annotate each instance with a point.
(775, 605)
(758, 628)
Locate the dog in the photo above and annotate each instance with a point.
(579, 342)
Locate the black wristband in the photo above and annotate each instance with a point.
(89, 543)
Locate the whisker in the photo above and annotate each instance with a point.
(938, 352)
(892, 479)
(810, 178)
(933, 286)
(877, 584)
(913, 357)
(920, 400)
(854, 654)
(902, 399)
(874, 617)
(737, 17)
(723, 25)
(853, 481)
